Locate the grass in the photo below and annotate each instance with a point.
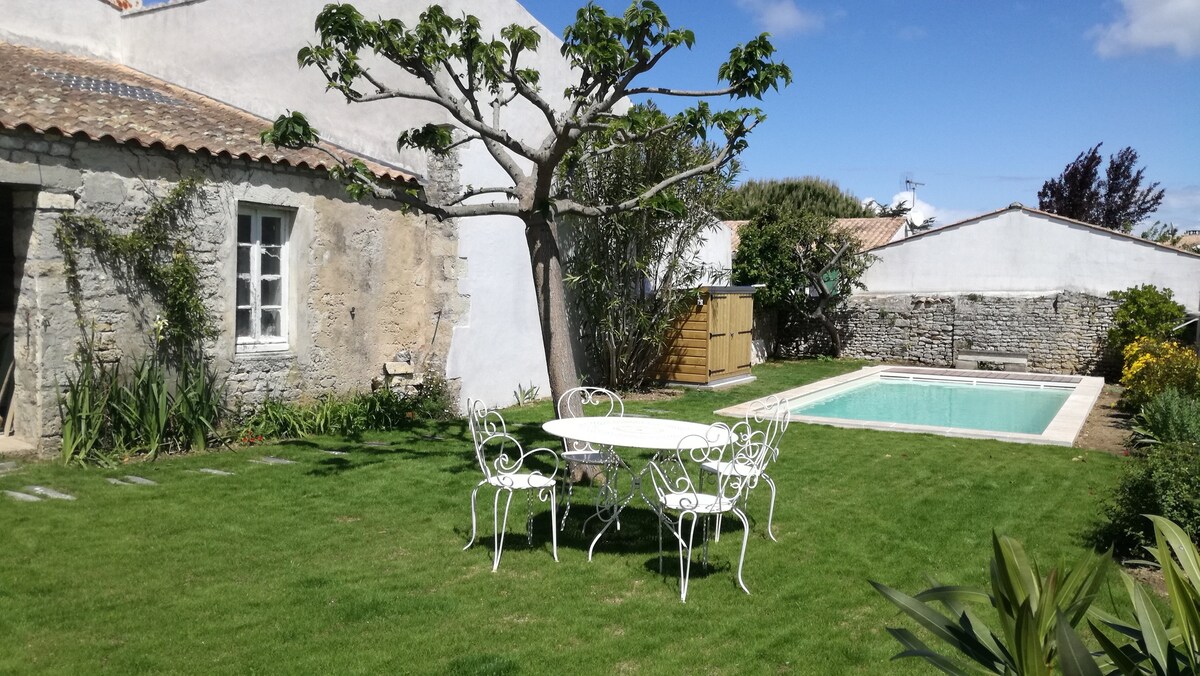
(353, 564)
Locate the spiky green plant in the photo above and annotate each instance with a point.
(1036, 616)
(1154, 645)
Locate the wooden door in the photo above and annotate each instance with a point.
(730, 325)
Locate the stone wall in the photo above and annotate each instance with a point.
(1061, 333)
(369, 284)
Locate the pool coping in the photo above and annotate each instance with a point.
(1061, 431)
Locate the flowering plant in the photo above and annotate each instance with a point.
(1153, 365)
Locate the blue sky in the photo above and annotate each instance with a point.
(979, 101)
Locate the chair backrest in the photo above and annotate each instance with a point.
(765, 424)
(590, 402)
(677, 472)
(484, 422)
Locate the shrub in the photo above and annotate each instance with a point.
(1165, 480)
(1169, 417)
(1146, 311)
(109, 415)
(1152, 366)
(349, 414)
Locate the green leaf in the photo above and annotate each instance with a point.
(1153, 632)
(1074, 659)
(915, 648)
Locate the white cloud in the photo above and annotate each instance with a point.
(782, 17)
(1180, 206)
(912, 33)
(924, 210)
(1150, 24)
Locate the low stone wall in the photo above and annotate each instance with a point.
(1061, 332)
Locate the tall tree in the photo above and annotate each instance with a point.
(807, 268)
(1117, 201)
(449, 62)
(811, 195)
(634, 274)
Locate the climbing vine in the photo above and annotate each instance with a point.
(154, 255)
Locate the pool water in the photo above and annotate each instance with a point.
(998, 408)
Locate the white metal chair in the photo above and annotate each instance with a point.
(763, 427)
(581, 402)
(675, 479)
(504, 469)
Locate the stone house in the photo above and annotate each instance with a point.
(310, 290)
(244, 54)
(1014, 280)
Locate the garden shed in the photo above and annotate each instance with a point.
(711, 345)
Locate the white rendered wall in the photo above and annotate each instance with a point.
(244, 53)
(1016, 251)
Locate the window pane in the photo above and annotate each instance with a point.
(243, 291)
(272, 230)
(243, 323)
(244, 228)
(270, 323)
(270, 260)
(271, 292)
(243, 260)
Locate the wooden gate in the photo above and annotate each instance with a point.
(712, 343)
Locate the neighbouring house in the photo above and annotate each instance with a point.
(310, 290)
(1017, 280)
(874, 231)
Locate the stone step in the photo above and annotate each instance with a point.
(334, 452)
(141, 481)
(8, 467)
(272, 460)
(46, 492)
(22, 497)
(116, 482)
(215, 472)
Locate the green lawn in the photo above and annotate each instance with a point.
(354, 563)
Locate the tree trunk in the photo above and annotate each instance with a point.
(541, 235)
(835, 337)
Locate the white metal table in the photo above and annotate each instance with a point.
(626, 432)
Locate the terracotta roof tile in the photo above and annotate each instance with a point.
(51, 92)
(872, 232)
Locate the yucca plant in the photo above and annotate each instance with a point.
(1155, 646)
(1036, 616)
(198, 405)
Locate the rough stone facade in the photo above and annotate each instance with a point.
(1060, 333)
(368, 284)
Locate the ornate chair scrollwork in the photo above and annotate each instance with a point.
(675, 480)
(761, 430)
(581, 402)
(507, 468)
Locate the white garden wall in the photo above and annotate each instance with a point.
(1023, 251)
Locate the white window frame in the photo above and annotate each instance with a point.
(256, 342)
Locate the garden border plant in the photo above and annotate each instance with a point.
(170, 399)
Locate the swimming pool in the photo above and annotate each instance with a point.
(1022, 407)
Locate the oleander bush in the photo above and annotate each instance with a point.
(1152, 366)
(1163, 480)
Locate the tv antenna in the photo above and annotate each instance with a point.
(910, 186)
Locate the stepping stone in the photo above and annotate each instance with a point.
(217, 472)
(116, 482)
(49, 493)
(8, 467)
(375, 443)
(434, 437)
(22, 497)
(272, 460)
(334, 452)
(141, 481)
